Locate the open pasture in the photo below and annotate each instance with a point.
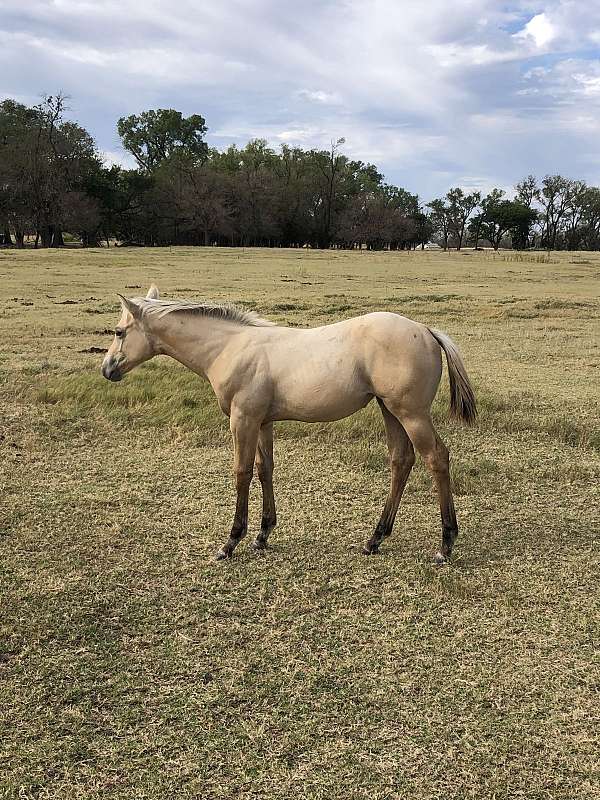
(134, 666)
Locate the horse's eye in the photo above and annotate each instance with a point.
(119, 333)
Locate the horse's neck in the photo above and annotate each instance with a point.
(194, 341)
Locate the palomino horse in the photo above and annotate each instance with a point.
(262, 372)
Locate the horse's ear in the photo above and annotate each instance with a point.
(153, 293)
(131, 306)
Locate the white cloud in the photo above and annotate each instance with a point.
(118, 158)
(539, 29)
(569, 81)
(319, 96)
(459, 55)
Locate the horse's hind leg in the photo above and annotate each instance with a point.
(435, 455)
(264, 467)
(402, 458)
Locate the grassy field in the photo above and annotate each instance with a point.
(134, 666)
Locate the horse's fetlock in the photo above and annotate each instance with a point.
(449, 532)
(237, 532)
(268, 521)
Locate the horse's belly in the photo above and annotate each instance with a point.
(316, 402)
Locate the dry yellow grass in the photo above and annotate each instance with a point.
(133, 666)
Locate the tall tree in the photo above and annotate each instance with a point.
(590, 221)
(440, 219)
(554, 197)
(44, 161)
(156, 136)
(502, 216)
(574, 214)
(460, 207)
(528, 193)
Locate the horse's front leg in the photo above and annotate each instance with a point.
(245, 438)
(264, 468)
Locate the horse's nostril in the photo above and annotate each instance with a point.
(110, 370)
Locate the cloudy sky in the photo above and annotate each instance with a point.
(437, 93)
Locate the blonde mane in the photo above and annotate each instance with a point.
(224, 311)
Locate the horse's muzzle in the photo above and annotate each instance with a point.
(111, 371)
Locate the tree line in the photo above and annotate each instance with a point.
(54, 185)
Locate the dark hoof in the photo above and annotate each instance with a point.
(257, 544)
(439, 560)
(222, 555)
(367, 551)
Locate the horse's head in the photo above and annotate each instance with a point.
(131, 345)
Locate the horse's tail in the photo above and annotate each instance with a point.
(462, 398)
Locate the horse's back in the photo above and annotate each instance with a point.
(329, 372)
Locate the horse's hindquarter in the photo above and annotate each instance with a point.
(328, 373)
(402, 359)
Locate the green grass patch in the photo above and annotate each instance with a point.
(528, 258)
(555, 303)
(155, 395)
(423, 298)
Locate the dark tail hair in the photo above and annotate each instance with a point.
(462, 398)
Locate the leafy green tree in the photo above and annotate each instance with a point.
(294, 195)
(474, 229)
(334, 181)
(17, 123)
(423, 228)
(527, 191)
(44, 161)
(156, 136)
(574, 214)
(460, 206)
(589, 224)
(502, 216)
(441, 219)
(555, 197)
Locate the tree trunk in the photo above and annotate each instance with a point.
(57, 238)
(19, 238)
(7, 237)
(46, 236)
